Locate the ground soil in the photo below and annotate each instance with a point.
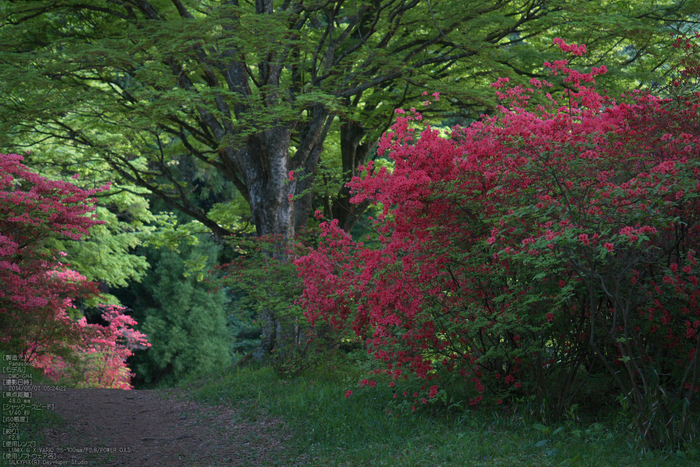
(144, 428)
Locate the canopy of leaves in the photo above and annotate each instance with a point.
(249, 90)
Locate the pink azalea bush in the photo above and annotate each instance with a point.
(552, 241)
(38, 289)
(101, 358)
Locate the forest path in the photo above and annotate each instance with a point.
(142, 428)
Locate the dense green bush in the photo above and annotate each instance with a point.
(266, 288)
(184, 316)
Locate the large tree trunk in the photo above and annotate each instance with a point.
(267, 166)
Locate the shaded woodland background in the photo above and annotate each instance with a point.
(216, 122)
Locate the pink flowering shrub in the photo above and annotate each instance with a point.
(539, 246)
(100, 361)
(38, 289)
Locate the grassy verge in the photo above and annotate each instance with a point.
(27, 435)
(367, 428)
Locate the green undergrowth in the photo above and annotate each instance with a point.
(369, 428)
(29, 434)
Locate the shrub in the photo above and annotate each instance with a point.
(544, 244)
(267, 285)
(184, 318)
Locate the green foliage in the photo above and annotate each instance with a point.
(245, 331)
(184, 318)
(171, 229)
(106, 255)
(171, 234)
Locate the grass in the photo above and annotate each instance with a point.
(29, 433)
(368, 428)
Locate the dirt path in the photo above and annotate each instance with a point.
(142, 428)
